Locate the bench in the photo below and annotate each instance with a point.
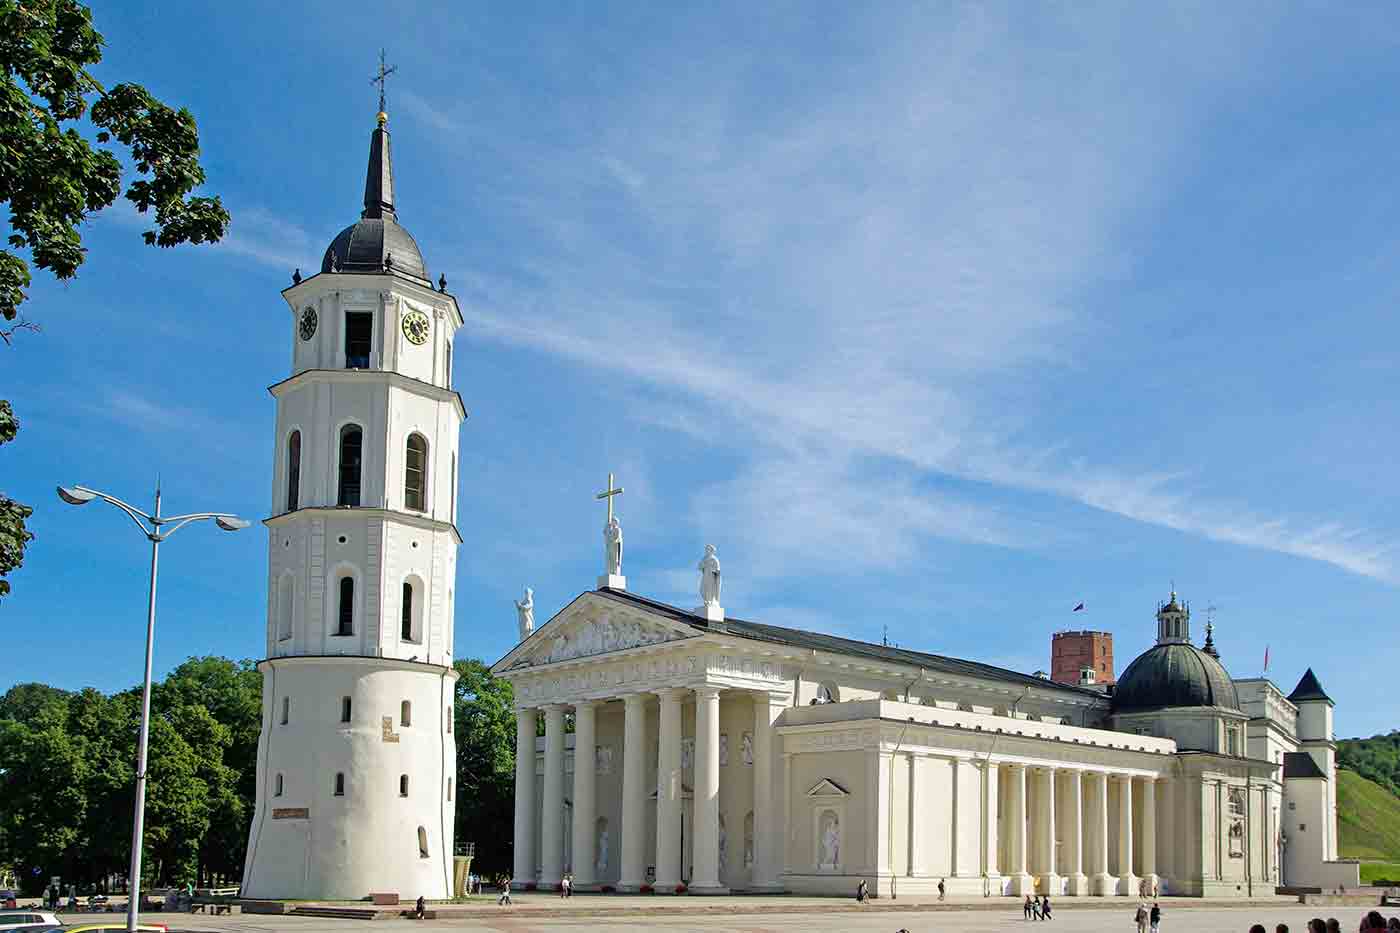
(213, 905)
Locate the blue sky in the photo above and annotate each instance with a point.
(940, 317)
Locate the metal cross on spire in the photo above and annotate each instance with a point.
(384, 71)
(608, 494)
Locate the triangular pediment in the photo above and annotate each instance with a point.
(826, 787)
(590, 626)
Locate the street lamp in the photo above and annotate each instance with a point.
(156, 529)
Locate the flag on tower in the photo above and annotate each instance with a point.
(1079, 607)
(1266, 659)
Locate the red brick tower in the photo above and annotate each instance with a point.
(1070, 652)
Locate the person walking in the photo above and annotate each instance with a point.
(1140, 918)
(418, 908)
(862, 892)
(1156, 916)
(941, 888)
(1045, 906)
(505, 893)
(1026, 907)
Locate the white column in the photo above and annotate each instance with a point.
(1021, 881)
(1074, 834)
(769, 841)
(1166, 833)
(635, 794)
(991, 790)
(552, 827)
(1104, 883)
(1127, 879)
(1049, 872)
(585, 856)
(705, 871)
(668, 792)
(525, 727)
(1148, 863)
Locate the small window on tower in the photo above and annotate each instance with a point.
(415, 473)
(286, 709)
(359, 334)
(449, 788)
(351, 451)
(293, 471)
(340, 784)
(422, 842)
(403, 785)
(344, 709)
(346, 616)
(406, 613)
(448, 365)
(405, 713)
(277, 787)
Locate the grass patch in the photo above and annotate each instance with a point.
(1369, 820)
(1380, 872)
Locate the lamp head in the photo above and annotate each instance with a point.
(231, 522)
(75, 495)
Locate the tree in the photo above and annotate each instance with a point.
(53, 178)
(484, 727)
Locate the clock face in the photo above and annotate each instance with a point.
(415, 327)
(307, 326)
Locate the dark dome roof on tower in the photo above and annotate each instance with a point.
(1174, 674)
(376, 240)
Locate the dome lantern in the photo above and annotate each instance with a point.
(1174, 622)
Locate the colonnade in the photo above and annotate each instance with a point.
(1076, 859)
(636, 795)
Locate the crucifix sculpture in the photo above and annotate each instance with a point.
(612, 532)
(379, 78)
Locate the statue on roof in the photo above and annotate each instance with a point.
(612, 546)
(525, 612)
(709, 577)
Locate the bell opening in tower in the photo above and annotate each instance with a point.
(359, 328)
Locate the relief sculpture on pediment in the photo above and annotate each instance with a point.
(601, 636)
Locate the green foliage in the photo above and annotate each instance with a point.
(1376, 759)
(13, 533)
(484, 727)
(53, 178)
(1386, 874)
(1368, 818)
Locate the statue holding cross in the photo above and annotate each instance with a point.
(612, 533)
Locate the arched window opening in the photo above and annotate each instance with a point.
(826, 693)
(293, 471)
(359, 338)
(286, 709)
(351, 451)
(344, 709)
(406, 616)
(448, 364)
(405, 713)
(422, 842)
(340, 783)
(403, 785)
(286, 590)
(449, 788)
(415, 473)
(449, 718)
(345, 624)
(277, 786)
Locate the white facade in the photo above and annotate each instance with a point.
(727, 755)
(356, 761)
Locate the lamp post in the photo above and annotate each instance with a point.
(156, 529)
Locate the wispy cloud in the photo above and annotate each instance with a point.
(890, 269)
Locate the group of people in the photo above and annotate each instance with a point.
(1144, 917)
(1037, 909)
(1372, 922)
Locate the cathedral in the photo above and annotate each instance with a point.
(707, 753)
(712, 754)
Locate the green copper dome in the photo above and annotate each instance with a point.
(1174, 675)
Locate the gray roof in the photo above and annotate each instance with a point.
(1309, 688)
(1300, 765)
(1174, 675)
(377, 236)
(797, 638)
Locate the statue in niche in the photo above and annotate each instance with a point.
(602, 863)
(747, 746)
(723, 749)
(831, 840)
(603, 759)
(612, 546)
(723, 848)
(525, 613)
(687, 754)
(709, 578)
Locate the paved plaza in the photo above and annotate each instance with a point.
(535, 913)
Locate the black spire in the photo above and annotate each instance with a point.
(1308, 689)
(379, 177)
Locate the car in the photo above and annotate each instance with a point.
(27, 919)
(109, 926)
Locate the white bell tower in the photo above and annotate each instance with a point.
(357, 759)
